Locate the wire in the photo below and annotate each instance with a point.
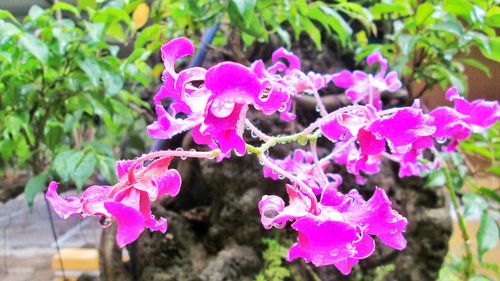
(54, 235)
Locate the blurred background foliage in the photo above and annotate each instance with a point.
(76, 76)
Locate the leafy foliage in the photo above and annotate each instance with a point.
(273, 259)
(63, 95)
(426, 41)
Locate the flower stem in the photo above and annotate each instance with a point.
(256, 131)
(314, 152)
(336, 151)
(321, 105)
(469, 258)
(304, 188)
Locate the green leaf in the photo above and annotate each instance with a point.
(474, 204)
(7, 15)
(388, 8)
(54, 133)
(35, 46)
(113, 83)
(34, 186)
(244, 7)
(487, 235)
(312, 31)
(337, 23)
(106, 166)
(493, 16)
(35, 12)
(494, 52)
(65, 7)
(423, 12)
(490, 194)
(65, 163)
(92, 69)
(84, 170)
(436, 179)
(84, 4)
(95, 31)
(149, 33)
(477, 64)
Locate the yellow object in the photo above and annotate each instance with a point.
(140, 15)
(76, 262)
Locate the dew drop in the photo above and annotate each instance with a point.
(394, 231)
(441, 140)
(270, 213)
(105, 221)
(280, 176)
(318, 259)
(282, 107)
(334, 252)
(318, 109)
(253, 135)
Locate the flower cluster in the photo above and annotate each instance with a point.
(333, 228)
(127, 202)
(213, 102)
(339, 231)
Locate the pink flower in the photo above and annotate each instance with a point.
(467, 117)
(404, 127)
(214, 107)
(127, 202)
(480, 114)
(301, 165)
(339, 234)
(283, 82)
(366, 88)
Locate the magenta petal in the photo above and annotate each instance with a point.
(343, 79)
(168, 126)
(232, 82)
(157, 225)
(404, 127)
(323, 242)
(380, 219)
(174, 50)
(452, 93)
(122, 167)
(93, 199)
(333, 129)
(169, 183)
(293, 60)
(230, 140)
(63, 208)
(369, 144)
(449, 123)
(269, 208)
(130, 222)
(392, 81)
(377, 57)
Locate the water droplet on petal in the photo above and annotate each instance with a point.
(335, 252)
(270, 213)
(318, 109)
(105, 221)
(441, 140)
(318, 259)
(253, 135)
